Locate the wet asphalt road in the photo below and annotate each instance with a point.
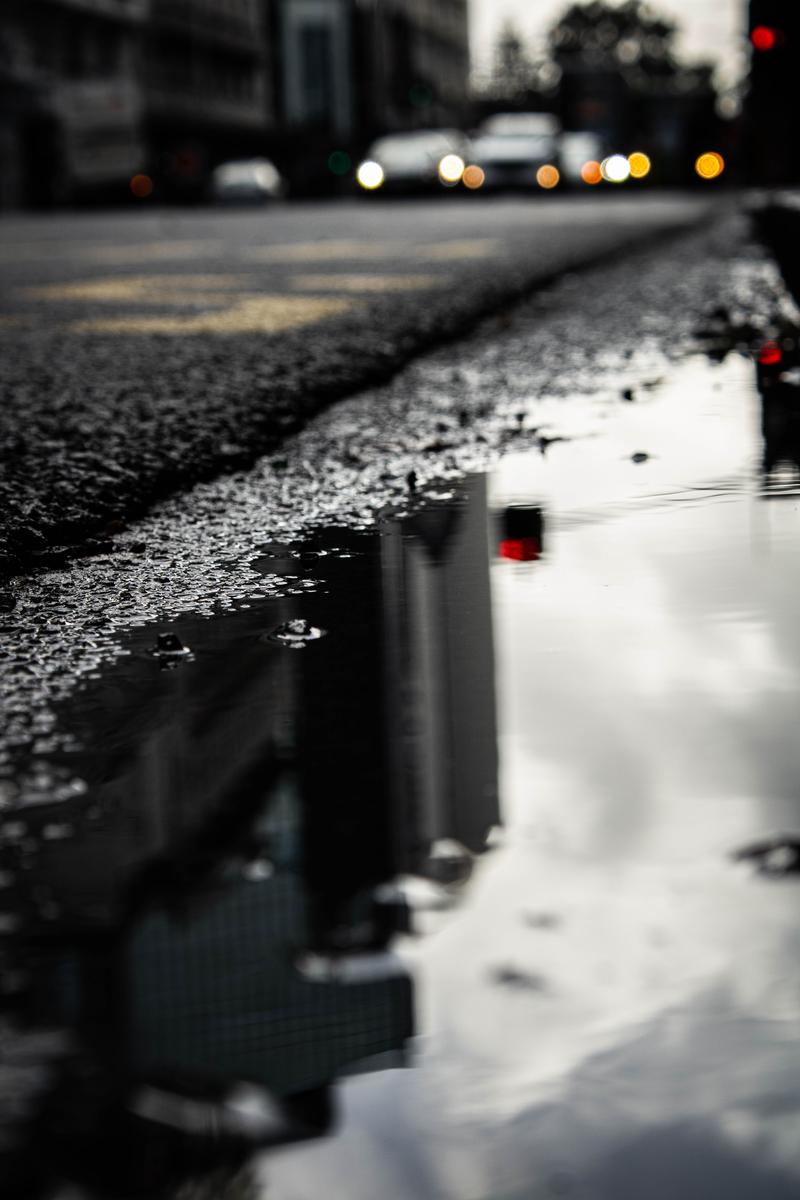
(142, 351)
(608, 1006)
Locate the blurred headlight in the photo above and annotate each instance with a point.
(615, 169)
(451, 168)
(370, 175)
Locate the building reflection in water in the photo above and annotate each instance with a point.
(215, 929)
(778, 379)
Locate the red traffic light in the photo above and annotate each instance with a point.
(764, 38)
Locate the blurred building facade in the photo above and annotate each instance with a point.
(414, 62)
(205, 83)
(94, 91)
(71, 111)
(352, 69)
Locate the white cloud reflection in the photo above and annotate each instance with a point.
(614, 1012)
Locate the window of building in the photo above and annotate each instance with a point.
(316, 52)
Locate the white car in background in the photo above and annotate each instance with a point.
(414, 162)
(247, 181)
(511, 148)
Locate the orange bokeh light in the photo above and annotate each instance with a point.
(473, 178)
(591, 173)
(548, 177)
(142, 186)
(710, 165)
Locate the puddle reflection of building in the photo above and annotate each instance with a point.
(221, 918)
(779, 389)
(441, 654)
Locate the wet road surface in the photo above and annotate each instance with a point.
(496, 781)
(141, 352)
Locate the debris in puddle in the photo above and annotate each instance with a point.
(448, 863)
(57, 831)
(258, 870)
(776, 857)
(510, 976)
(640, 456)
(296, 634)
(170, 649)
(628, 394)
(542, 920)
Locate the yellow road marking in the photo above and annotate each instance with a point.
(46, 250)
(155, 250)
(325, 251)
(341, 251)
(139, 289)
(367, 283)
(255, 314)
(452, 251)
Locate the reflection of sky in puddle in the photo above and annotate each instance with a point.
(614, 1011)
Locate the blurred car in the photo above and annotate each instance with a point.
(249, 181)
(510, 149)
(575, 151)
(418, 161)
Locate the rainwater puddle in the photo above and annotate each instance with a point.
(478, 870)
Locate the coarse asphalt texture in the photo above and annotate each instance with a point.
(143, 351)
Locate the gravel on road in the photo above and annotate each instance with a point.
(142, 353)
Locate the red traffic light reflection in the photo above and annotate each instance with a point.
(770, 354)
(524, 549)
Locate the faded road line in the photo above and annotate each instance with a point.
(255, 314)
(367, 283)
(342, 251)
(139, 289)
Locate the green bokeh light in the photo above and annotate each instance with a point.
(339, 162)
(420, 95)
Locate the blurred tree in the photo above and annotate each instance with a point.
(628, 35)
(513, 71)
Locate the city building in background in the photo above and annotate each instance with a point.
(95, 92)
(70, 97)
(205, 83)
(353, 69)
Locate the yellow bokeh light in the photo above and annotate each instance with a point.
(451, 168)
(710, 165)
(639, 164)
(370, 175)
(548, 176)
(474, 177)
(591, 173)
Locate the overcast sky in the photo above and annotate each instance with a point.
(712, 29)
